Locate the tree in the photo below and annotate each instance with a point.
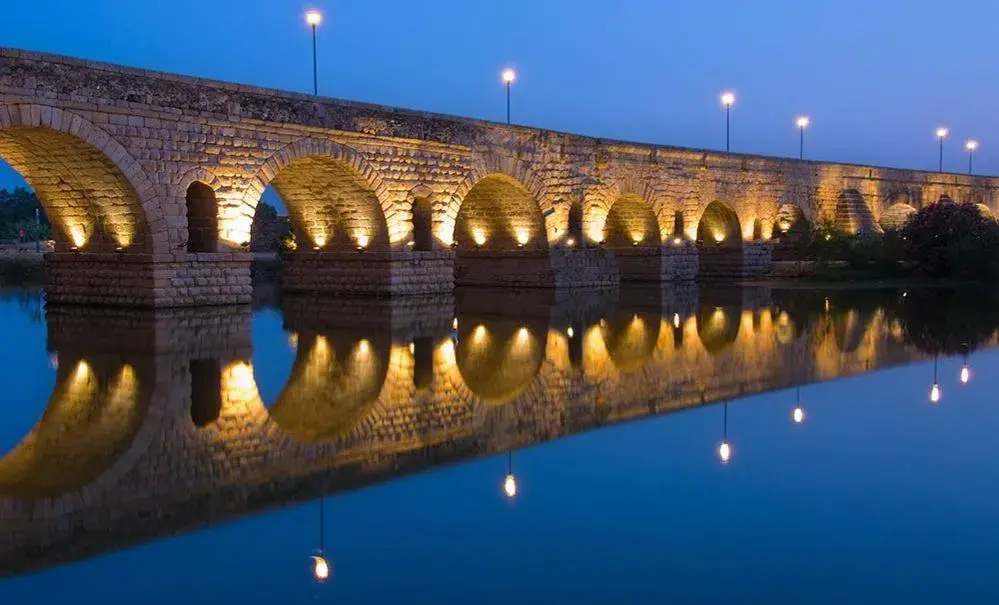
(952, 240)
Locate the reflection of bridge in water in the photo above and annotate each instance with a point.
(156, 426)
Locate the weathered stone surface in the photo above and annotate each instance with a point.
(112, 151)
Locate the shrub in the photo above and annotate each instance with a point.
(952, 240)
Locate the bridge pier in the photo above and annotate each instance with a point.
(148, 280)
(369, 272)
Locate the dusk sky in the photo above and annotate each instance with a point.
(877, 77)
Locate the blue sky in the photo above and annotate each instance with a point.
(877, 76)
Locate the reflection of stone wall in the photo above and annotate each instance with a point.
(369, 272)
(560, 367)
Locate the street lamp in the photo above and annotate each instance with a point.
(728, 100)
(508, 78)
(802, 123)
(314, 18)
(942, 134)
(971, 145)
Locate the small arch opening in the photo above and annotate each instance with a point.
(202, 218)
(423, 239)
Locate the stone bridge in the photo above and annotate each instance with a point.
(151, 181)
(156, 425)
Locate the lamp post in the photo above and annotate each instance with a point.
(314, 18)
(798, 414)
(971, 145)
(728, 100)
(941, 134)
(802, 123)
(508, 78)
(965, 374)
(320, 566)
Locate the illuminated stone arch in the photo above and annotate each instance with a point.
(631, 223)
(852, 214)
(498, 358)
(87, 437)
(336, 200)
(985, 211)
(94, 192)
(897, 216)
(335, 382)
(790, 221)
(719, 242)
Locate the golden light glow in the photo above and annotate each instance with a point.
(523, 236)
(454, 324)
(412, 348)
(725, 452)
(313, 18)
(523, 335)
(293, 341)
(570, 242)
(719, 236)
(320, 568)
(319, 239)
(510, 486)
(241, 376)
(784, 225)
(479, 236)
(78, 233)
(509, 75)
(802, 121)
(479, 335)
(728, 98)
(637, 237)
(81, 372)
(942, 132)
(364, 348)
(677, 240)
(362, 239)
(935, 393)
(965, 374)
(798, 415)
(971, 145)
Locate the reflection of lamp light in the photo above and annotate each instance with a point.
(725, 449)
(510, 483)
(935, 391)
(320, 568)
(965, 375)
(798, 414)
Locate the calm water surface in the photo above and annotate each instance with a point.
(203, 456)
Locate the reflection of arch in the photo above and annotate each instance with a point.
(500, 215)
(897, 216)
(717, 327)
(852, 213)
(630, 339)
(88, 184)
(851, 327)
(206, 393)
(202, 218)
(334, 382)
(499, 358)
(330, 192)
(719, 242)
(92, 418)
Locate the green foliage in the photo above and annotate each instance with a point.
(952, 240)
(946, 321)
(17, 216)
(265, 212)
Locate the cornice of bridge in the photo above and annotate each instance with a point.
(245, 103)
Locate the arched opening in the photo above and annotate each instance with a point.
(206, 391)
(271, 230)
(423, 239)
(632, 232)
(91, 204)
(678, 225)
(331, 207)
(336, 378)
(498, 357)
(719, 243)
(575, 231)
(202, 218)
(853, 216)
(757, 230)
(791, 230)
(896, 216)
(500, 236)
(92, 417)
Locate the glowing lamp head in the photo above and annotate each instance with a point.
(798, 415)
(971, 145)
(510, 486)
(725, 452)
(965, 374)
(509, 76)
(677, 240)
(320, 568)
(802, 121)
(570, 242)
(313, 18)
(728, 98)
(935, 393)
(942, 133)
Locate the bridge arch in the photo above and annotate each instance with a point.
(500, 235)
(96, 195)
(335, 198)
(852, 214)
(631, 230)
(897, 216)
(719, 242)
